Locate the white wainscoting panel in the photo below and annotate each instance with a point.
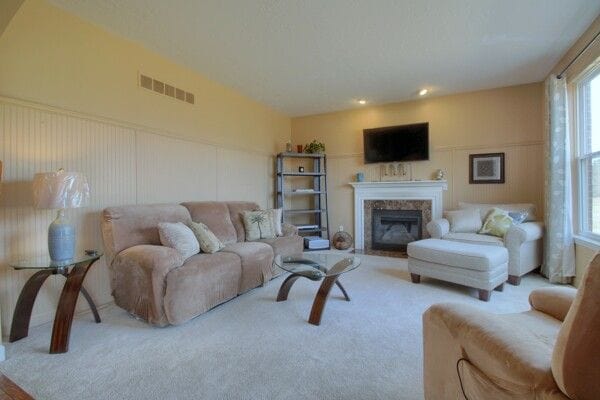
(124, 164)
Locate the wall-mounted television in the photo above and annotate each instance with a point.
(397, 143)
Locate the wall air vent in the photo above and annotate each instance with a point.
(160, 87)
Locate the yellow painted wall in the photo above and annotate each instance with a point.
(508, 120)
(55, 58)
(69, 98)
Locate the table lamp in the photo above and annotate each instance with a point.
(60, 190)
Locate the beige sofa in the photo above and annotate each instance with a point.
(549, 352)
(156, 284)
(524, 242)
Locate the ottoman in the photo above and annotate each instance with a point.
(478, 266)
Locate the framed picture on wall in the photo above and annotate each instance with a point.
(486, 168)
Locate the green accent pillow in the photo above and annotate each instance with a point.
(209, 243)
(259, 224)
(497, 223)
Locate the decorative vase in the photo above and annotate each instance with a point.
(61, 239)
(299, 147)
(288, 147)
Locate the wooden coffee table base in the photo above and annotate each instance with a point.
(320, 299)
(64, 312)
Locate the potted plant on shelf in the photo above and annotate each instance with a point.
(314, 147)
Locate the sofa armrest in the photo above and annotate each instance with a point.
(289, 229)
(438, 228)
(525, 232)
(511, 357)
(138, 280)
(553, 301)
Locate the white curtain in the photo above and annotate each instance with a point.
(559, 252)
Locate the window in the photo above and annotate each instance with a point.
(588, 129)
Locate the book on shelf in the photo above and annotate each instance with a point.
(304, 190)
(301, 227)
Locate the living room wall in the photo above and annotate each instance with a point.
(505, 120)
(69, 98)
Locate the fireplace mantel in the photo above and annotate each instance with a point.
(395, 190)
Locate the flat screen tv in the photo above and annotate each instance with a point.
(397, 143)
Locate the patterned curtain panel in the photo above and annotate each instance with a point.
(559, 252)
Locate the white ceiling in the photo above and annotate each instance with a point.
(314, 56)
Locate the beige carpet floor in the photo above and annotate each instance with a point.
(255, 348)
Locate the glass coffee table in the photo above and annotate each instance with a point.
(316, 267)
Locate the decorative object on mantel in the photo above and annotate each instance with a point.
(60, 190)
(395, 172)
(360, 177)
(342, 240)
(314, 147)
(299, 148)
(486, 168)
(440, 175)
(288, 147)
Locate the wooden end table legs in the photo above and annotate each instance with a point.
(63, 318)
(321, 297)
(22, 315)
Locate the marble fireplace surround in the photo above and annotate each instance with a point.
(424, 195)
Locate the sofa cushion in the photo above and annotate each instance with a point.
(215, 215)
(464, 221)
(128, 226)
(259, 224)
(474, 238)
(204, 281)
(285, 245)
(209, 243)
(484, 209)
(460, 255)
(257, 261)
(236, 208)
(178, 236)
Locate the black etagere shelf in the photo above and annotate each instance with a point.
(316, 192)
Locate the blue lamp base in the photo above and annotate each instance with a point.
(61, 239)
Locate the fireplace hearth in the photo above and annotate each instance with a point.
(393, 230)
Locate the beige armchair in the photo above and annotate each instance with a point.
(549, 352)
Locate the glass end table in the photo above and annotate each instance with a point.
(75, 271)
(327, 267)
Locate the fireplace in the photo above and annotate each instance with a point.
(392, 230)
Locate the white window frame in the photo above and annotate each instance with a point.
(582, 157)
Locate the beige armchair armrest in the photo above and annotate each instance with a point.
(139, 280)
(511, 357)
(525, 232)
(438, 228)
(289, 229)
(554, 301)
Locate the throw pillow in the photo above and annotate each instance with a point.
(209, 243)
(497, 223)
(518, 217)
(464, 221)
(258, 225)
(179, 237)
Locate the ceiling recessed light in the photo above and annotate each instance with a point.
(423, 92)
(362, 102)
